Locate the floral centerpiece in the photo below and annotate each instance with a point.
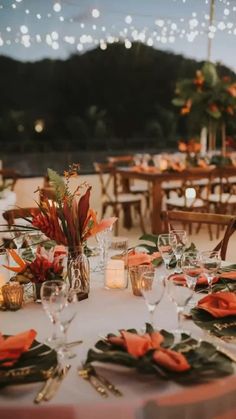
(192, 149)
(211, 98)
(47, 265)
(68, 220)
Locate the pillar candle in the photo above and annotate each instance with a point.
(115, 276)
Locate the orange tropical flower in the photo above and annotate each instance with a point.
(70, 220)
(232, 90)
(230, 110)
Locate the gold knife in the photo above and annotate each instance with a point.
(43, 391)
(56, 382)
(93, 381)
(111, 387)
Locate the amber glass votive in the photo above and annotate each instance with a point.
(12, 296)
(135, 273)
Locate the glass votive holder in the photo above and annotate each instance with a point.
(115, 272)
(135, 274)
(13, 294)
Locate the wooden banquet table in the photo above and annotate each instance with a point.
(144, 397)
(156, 179)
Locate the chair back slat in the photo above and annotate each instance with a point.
(229, 221)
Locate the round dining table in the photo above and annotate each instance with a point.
(144, 396)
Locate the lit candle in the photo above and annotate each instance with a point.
(115, 276)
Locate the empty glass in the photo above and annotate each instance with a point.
(67, 315)
(104, 240)
(180, 294)
(211, 262)
(167, 253)
(191, 267)
(152, 287)
(54, 297)
(178, 242)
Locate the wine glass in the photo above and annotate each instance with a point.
(104, 240)
(180, 294)
(166, 250)
(68, 314)
(152, 287)
(53, 297)
(211, 262)
(191, 267)
(178, 242)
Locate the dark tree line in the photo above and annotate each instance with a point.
(111, 99)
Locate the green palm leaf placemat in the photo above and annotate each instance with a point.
(220, 327)
(33, 365)
(203, 357)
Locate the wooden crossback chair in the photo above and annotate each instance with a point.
(141, 188)
(185, 217)
(9, 177)
(12, 214)
(112, 197)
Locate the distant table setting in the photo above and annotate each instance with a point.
(92, 332)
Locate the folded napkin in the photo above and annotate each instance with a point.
(171, 360)
(219, 304)
(228, 275)
(138, 345)
(202, 280)
(135, 259)
(12, 347)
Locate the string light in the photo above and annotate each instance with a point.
(57, 7)
(95, 13)
(168, 29)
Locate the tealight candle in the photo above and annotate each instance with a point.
(115, 275)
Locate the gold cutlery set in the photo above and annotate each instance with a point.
(57, 375)
(52, 384)
(98, 382)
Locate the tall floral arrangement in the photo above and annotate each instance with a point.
(212, 98)
(68, 219)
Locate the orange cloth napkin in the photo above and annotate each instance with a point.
(219, 304)
(135, 259)
(228, 275)
(202, 280)
(138, 345)
(13, 347)
(171, 360)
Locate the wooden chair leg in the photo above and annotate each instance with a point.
(138, 208)
(116, 213)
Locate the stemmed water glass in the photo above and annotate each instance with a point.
(152, 287)
(68, 313)
(191, 267)
(104, 240)
(53, 298)
(211, 262)
(178, 242)
(166, 250)
(180, 294)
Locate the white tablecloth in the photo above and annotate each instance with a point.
(144, 397)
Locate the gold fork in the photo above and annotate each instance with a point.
(85, 373)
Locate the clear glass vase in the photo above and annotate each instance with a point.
(78, 271)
